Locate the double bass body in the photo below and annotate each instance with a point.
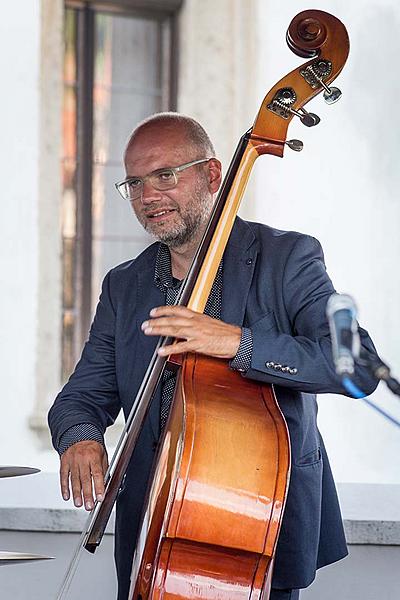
(218, 491)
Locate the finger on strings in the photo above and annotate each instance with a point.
(183, 311)
(183, 333)
(167, 322)
(176, 348)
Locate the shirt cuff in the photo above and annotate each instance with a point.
(242, 360)
(79, 433)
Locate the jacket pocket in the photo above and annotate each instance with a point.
(311, 458)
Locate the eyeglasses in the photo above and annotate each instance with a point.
(160, 179)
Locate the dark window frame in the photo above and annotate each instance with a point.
(166, 11)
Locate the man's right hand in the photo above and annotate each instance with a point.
(83, 467)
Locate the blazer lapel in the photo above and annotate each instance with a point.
(239, 263)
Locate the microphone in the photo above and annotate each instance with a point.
(342, 312)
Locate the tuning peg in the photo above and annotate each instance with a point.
(331, 95)
(308, 119)
(296, 145)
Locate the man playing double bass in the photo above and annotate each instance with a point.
(265, 314)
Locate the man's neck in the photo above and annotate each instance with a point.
(180, 262)
(181, 258)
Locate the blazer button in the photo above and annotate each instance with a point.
(285, 369)
(269, 365)
(278, 367)
(249, 261)
(293, 371)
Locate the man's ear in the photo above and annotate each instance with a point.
(214, 175)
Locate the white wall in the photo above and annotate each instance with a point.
(19, 146)
(343, 189)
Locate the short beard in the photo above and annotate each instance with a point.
(195, 218)
(182, 233)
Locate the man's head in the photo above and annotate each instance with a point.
(176, 216)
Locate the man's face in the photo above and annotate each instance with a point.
(175, 216)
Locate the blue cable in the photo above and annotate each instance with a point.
(355, 391)
(351, 387)
(384, 413)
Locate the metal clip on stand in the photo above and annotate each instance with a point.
(382, 372)
(380, 369)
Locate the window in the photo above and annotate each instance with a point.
(118, 68)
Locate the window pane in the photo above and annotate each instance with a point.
(127, 88)
(129, 70)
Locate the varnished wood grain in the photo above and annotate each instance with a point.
(220, 482)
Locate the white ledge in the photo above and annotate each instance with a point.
(53, 520)
(34, 503)
(371, 511)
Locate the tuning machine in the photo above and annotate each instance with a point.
(283, 102)
(315, 73)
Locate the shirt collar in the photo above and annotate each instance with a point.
(163, 269)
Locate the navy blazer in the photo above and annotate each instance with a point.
(275, 283)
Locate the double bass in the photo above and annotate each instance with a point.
(216, 498)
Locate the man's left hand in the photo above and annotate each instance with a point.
(194, 331)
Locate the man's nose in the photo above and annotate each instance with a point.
(149, 193)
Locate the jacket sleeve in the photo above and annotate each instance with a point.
(303, 359)
(91, 394)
